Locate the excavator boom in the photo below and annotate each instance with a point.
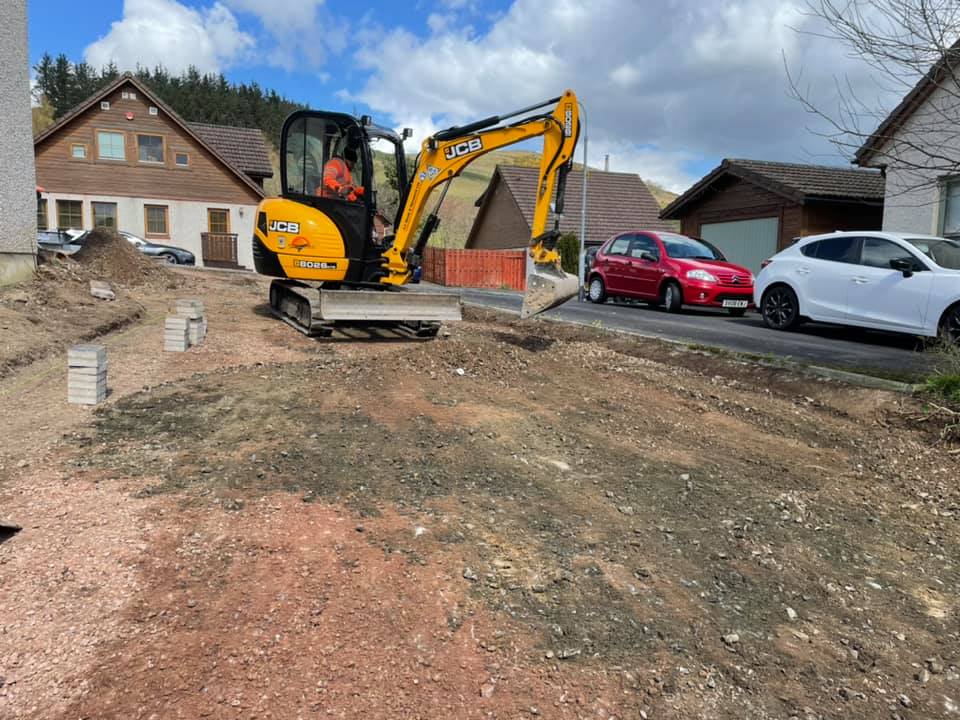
(444, 155)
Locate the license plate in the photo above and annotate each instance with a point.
(735, 303)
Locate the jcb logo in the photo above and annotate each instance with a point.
(284, 226)
(467, 146)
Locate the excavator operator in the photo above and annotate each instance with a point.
(338, 177)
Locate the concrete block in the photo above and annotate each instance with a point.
(189, 307)
(87, 356)
(86, 372)
(176, 322)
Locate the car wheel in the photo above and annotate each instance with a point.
(950, 325)
(596, 291)
(169, 259)
(737, 312)
(780, 308)
(672, 297)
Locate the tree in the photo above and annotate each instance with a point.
(569, 247)
(906, 40)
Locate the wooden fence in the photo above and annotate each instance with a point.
(499, 269)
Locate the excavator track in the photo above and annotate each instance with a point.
(361, 312)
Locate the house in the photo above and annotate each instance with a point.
(615, 202)
(918, 149)
(123, 159)
(751, 209)
(18, 241)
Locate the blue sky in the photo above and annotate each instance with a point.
(668, 93)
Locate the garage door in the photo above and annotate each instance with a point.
(744, 242)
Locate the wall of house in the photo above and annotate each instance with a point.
(205, 178)
(913, 192)
(500, 224)
(186, 220)
(734, 199)
(828, 217)
(18, 200)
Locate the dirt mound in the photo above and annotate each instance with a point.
(107, 256)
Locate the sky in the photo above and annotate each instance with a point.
(669, 88)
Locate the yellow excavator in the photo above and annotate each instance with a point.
(321, 239)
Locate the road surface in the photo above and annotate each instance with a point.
(876, 353)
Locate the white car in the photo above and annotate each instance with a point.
(901, 282)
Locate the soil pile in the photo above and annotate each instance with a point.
(107, 256)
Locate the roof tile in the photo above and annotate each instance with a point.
(615, 201)
(244, 148)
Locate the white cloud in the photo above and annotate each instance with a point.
(693, 82)
(168, 33)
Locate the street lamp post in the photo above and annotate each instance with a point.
(583, 209)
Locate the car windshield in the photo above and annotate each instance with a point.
(945, 253)
(134, 240)
(680, 246)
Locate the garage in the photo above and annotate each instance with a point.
(744, 242)
(751, 209)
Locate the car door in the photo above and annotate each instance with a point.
(615, 265)
(884, 298)
(645, 273)
(822, 277)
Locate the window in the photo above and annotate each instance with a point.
(218, 221)
(182, 159)
(838, 249)
(104, 215)
(155, 219)
(152, 110)
(643, 244)
(128, 95)
(150, 148)
(78, 151)
(950, 220)
(878, 253)
(104, 104)
(110, 145)
(945, 253)
(41, 214)
(681, 246)
(619, 246)
(69, 214)
(310, 144)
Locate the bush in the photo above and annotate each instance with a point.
(569, 247)
(945, 382)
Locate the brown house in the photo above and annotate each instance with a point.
(752, 209)
(125, 160)
(615, 202)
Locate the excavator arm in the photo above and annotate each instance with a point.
(444, 155)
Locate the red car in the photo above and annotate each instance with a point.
(671, 270)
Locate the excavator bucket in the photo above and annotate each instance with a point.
(547, 287)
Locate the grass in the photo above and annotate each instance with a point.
(944, 383)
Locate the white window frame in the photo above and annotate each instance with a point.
(123, 145)
(104, 104)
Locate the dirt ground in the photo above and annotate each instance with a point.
(517, 519)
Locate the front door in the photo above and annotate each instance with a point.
(645, 273)
(882, 297)
(219, 244)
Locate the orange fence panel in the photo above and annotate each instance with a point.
(500, 269)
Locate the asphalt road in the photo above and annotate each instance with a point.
(865, 351)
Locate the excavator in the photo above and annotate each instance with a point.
(320, 240)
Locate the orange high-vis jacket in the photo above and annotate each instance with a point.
(336, 175)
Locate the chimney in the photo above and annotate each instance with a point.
(606, 163)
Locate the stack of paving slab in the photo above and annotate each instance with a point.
(187, 327)
(86, 374)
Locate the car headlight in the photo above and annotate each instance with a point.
(702, 275)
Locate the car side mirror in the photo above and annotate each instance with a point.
(903, 265)
(649, 257)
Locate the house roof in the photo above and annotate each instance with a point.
(798, 183)
(912, 100)
(129, 78)
(244, 148)
(615, 201)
